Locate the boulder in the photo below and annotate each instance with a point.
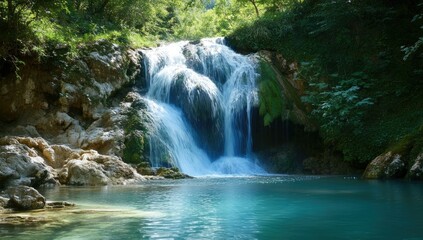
(84, 172)
(416, 170)
(25, 198)
(385, 166)
(96, 169)
(171, 173)
(21, 165)
(33, 162)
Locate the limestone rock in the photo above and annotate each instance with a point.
(416, 170)
(387, 165)
(106, 135)
(33, 162)
(83, 172)
(96, 169)
(20, 164)
(64, 102)
(25, 198)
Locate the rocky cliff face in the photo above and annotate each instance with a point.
(291, 143)
(289, 146)
(63, 121)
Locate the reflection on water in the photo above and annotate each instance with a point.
(284, 207)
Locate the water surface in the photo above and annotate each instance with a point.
(271, 207)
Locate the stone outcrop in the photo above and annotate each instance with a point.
(404, 159)
(80, 106)
(416, 169)
(388, 165)
(394, 165)
(22, 164)
(292, 87)
(25, 198)
(95, 169)
(77, 87)
(33, 162)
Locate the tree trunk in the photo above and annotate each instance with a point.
(10, 12)
(255, 7)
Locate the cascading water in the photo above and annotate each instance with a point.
(199, 100)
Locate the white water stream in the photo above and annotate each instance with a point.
(200, 98)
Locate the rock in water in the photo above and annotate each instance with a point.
(3, 202)
(386, 166)
(25, 198)
(416, 170)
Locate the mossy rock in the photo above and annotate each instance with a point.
(386, 166)
(144, 168)
(134, 148)
(135, 136)
(172, 173)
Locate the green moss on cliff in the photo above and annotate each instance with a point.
(410, 145)
(272, 101)
(360, 88)
(135, 140)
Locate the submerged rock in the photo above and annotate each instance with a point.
(24, 220)
(49, 214)
(58, 204)
(25, 198)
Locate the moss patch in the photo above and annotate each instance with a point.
(172, 173)
(136, 142)
(272, 101)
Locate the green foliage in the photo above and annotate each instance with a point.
(338, 108)
(358, 87)
(272, 102)
(414, 48)
(16, 19)
(200, 19)
(36, 28)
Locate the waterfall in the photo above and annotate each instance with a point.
(199, 99)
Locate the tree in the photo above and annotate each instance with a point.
(16, 16)
(410, 50)
(254, 3)
(14, 12)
